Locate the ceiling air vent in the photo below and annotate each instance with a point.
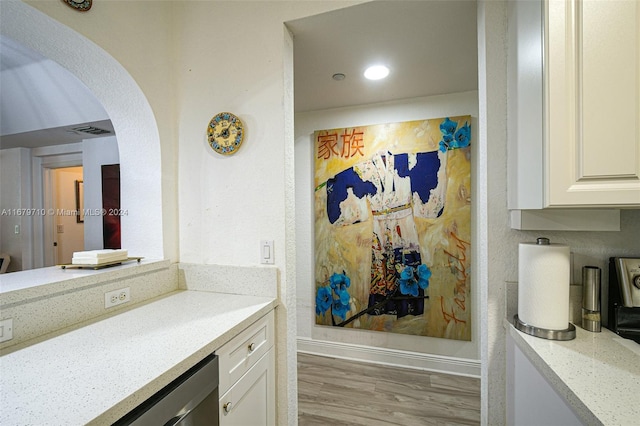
(91, 130)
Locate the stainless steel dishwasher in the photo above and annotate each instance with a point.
(190, 400)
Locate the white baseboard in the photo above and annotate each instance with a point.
(391, 357)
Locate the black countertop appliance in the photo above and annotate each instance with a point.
(621, 298)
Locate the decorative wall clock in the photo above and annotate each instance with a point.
(81, 5)
(225, 133)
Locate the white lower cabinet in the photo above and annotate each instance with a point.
(251, 400)
(247, 376)
(531, 400)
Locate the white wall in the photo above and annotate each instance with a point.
(306, 123)
(95, 153)
(15, 194)
(229, 203)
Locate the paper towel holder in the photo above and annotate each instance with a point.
(567, 334)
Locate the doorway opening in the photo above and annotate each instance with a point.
(66, 193)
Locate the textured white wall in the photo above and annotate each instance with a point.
(229, 203)
(406, 110)
(15, 193)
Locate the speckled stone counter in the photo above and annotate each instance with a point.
(98, 373)
(43, 301)
(598, 374)
(43, 282)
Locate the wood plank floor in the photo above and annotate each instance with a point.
(338, 392)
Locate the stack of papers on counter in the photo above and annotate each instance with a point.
(98, 257)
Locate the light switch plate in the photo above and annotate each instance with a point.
(266, 252)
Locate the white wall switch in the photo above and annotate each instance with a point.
(266, 252)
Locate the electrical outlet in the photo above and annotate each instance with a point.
(116, 297)
(6, 329)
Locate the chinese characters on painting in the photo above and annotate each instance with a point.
(392, 227)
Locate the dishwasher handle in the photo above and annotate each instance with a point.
(177, 419)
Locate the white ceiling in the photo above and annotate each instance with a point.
(42, 103)
(429, 45)
(56, 135)
(13, 55)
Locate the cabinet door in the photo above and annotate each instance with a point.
(251, 400)
(592, 93)
(531, 400)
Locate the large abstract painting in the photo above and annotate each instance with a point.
(392, 227)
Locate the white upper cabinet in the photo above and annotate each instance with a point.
(574, 104)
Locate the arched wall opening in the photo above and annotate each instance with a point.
(126, 105)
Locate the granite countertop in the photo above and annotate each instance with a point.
(98, 373)
(598, 374)
(43, 282)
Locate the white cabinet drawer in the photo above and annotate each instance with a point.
(238, 355)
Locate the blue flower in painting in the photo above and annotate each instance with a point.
(408, 283)
(446, 141)
(448, 127)
(340, 283)
(424, 273)
(452, 139)
(463, 136)
(340, 309)
(323, 300)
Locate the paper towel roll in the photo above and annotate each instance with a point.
(543, 285)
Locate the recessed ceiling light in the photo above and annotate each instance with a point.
(376, 72)
(338, 76)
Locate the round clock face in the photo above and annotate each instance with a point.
(225, 133)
